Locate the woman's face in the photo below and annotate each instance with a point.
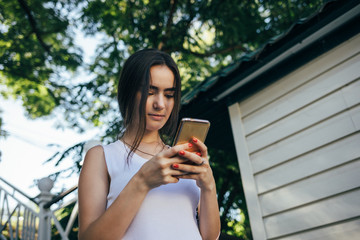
(160, 101)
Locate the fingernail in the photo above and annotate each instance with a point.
(199, 154)
(175, 165)
(190, 145)
(182, 152)
(195, 140)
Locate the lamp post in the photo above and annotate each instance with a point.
(45, 185)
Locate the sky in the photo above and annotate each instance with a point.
(26, 148)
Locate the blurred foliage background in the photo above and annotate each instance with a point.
(42, 62)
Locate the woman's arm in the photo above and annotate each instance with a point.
(95, 221)
(209, 217)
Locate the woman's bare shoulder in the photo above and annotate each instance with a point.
(94, 160)
(98, 149)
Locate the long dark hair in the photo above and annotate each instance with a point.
(135, 77)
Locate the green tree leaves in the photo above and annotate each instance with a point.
(35, 46)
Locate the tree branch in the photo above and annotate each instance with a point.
(173, 4)
(33, 25)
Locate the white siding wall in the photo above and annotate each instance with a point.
(298, 145)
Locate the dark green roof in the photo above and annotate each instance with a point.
(271, 46)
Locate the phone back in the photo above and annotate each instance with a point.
(190, 128)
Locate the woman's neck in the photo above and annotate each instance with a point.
(149, 137)
(150, 144)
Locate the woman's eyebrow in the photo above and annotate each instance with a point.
(166, 89)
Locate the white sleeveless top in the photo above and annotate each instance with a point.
(167, 212)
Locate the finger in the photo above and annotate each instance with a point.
(201, 146)
(173, 151)
(172, 179)
(195, 158)
(175, 170)
(188, 176)
(193, 169)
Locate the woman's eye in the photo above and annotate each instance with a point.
(169, 95)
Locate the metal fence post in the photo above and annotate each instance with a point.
(45, 185)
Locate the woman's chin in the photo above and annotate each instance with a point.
(154, 126)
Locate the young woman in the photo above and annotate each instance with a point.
(137, 187)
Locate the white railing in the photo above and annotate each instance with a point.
(23, 217)
(17, 218)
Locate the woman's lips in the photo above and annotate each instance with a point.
(156, 117)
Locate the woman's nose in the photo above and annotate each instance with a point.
(159, 102)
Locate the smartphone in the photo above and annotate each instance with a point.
(189, 128)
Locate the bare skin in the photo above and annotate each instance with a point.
(166, 167)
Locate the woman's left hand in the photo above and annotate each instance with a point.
(200, 169)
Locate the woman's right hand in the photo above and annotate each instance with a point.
(159, 169)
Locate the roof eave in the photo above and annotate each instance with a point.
(299, 46)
